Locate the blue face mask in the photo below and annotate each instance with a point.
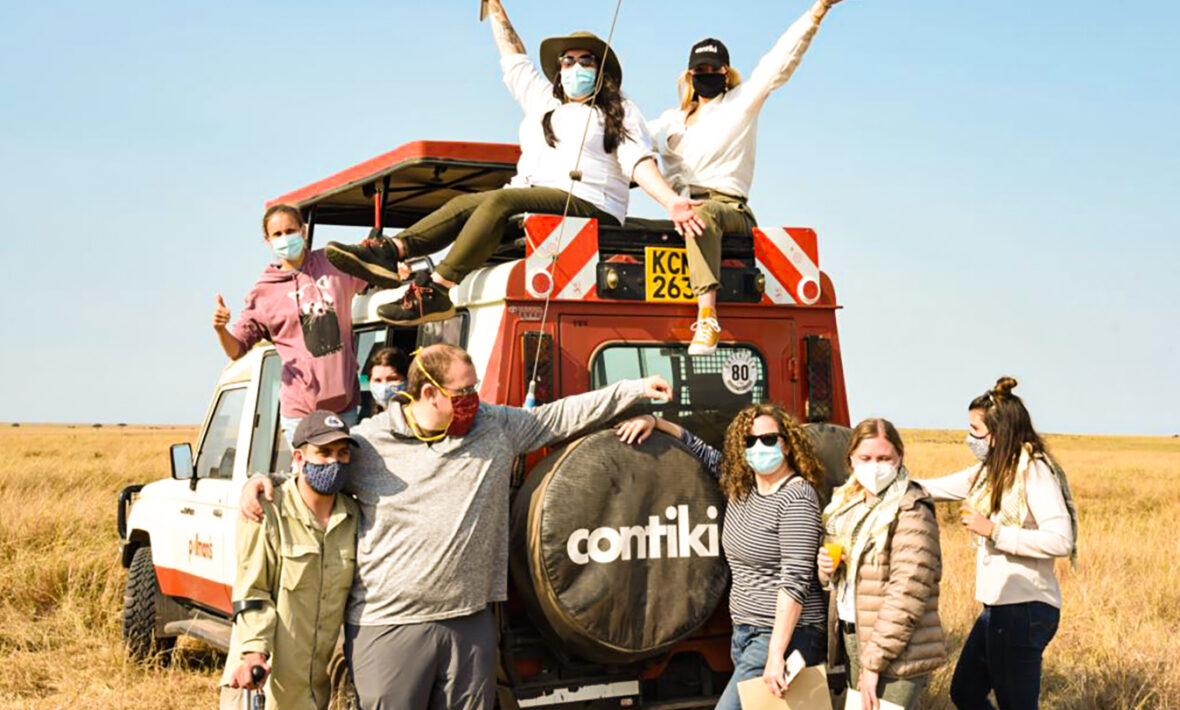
(578, 81)
(288, 247)
(325, 478)
(383, 392)
(763, 458)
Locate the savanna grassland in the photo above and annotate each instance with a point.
(61, 585)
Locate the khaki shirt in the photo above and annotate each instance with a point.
(301, 574)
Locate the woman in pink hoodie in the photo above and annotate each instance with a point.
(303, 305)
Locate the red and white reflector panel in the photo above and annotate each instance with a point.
(789, 259)
(573, 276)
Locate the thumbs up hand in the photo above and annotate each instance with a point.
(220, 314)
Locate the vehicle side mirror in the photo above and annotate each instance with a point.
(182, 461)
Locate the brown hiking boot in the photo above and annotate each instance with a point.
(374, 259)
(424, 302)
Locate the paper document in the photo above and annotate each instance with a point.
(852, 702)
(808, 691)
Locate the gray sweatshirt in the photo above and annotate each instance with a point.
(433, 535)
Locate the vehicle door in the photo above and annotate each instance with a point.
(207, 514)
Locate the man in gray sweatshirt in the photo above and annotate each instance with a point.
(432, 480)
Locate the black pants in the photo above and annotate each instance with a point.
(1003, 653)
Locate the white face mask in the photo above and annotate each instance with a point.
(875, 476)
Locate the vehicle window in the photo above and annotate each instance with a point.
(366, 342)
(453, 330)
(709, 390)
(267, 443)
(219, 447)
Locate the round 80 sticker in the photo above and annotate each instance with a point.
(740, 372)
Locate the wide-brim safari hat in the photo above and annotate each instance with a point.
(553, 47)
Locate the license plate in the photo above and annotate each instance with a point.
(666, 271)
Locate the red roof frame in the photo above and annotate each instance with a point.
(460, 152)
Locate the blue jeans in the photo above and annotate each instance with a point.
(1003, 653)
(750, 647)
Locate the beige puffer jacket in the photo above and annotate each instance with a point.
(897, 624)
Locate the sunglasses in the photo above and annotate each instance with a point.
(766, 439)
(586, 60)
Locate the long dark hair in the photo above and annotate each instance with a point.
(609, 100)
(1011, 428)
(737, 478)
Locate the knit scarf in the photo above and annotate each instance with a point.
(1014, 501)
(855, 521)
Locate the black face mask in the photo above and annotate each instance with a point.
(708, 86)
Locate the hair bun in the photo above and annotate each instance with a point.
(1004, 386)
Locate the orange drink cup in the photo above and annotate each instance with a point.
(834, 550)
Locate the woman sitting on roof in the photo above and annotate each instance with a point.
(579, 95)
(707, 149)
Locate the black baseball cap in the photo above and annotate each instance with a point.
(319, 428)
(709, 51)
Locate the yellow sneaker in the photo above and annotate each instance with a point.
(706, 334)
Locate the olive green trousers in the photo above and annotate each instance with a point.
(722, 214)
(474, 224)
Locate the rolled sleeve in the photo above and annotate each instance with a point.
(257, 565)
(800, 534)
(634, 150)
(530, 429)
(532, 91)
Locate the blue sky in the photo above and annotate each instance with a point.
(995, 185)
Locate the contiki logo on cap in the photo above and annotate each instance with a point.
(709, 51)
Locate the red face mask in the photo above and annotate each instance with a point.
(463, 410)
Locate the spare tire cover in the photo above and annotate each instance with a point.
(616, 549)
(831, 448)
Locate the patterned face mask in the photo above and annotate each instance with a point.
(979, 447)
(325, 478)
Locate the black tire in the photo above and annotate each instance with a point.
(141, 602)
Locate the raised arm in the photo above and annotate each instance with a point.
(779, 64)
(507, 41)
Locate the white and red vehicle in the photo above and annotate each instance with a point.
(604, 611)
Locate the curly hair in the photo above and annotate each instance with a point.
(737, 478)
(609, 100)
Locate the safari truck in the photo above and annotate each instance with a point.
(617, 579)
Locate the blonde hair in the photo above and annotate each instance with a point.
(688, 97)
(871, 428)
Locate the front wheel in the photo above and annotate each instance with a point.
(141, 604)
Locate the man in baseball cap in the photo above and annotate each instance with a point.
(281, 600)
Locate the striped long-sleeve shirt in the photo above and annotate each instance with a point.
(770, 543)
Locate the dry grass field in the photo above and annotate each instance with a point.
(61, 586)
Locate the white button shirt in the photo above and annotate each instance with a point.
(717, 150)
(606, 178)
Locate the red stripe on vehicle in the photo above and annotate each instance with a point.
(177, 583)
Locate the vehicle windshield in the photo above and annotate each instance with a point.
(709, 390)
